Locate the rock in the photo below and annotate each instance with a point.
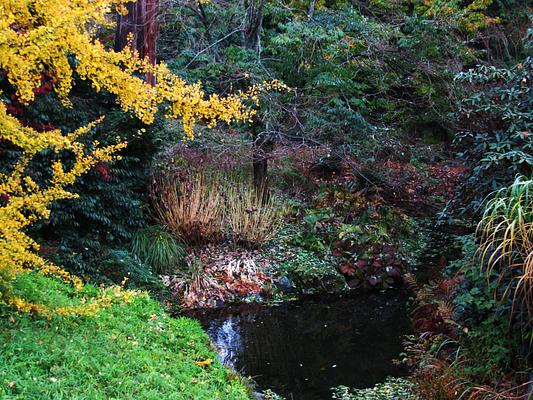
(284, 284)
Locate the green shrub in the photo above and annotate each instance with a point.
(316, 232)
(494, 301)
(310, 272)
(496, 120)
(490, 338)
(117, 264)
(391, 389)
(158, 249)
(109, 207)
(102, 264)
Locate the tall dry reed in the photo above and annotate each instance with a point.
(252, 218)
(191, 208)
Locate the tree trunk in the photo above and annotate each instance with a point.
(311, 12)
(253, 23)
(130, 23)
(205, 22)
(141, 22)
(261, 146)
(151, 31)
(261, 150)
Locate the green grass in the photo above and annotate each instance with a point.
(159, 249)
(129, 351)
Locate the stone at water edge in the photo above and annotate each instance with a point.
(284, 284)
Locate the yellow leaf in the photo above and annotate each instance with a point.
(204, 363)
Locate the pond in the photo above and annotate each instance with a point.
(302, 349)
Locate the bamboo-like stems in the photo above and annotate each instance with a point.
(252, 217)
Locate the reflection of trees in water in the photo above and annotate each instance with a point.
(226, 337)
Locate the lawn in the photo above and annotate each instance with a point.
(128, 351)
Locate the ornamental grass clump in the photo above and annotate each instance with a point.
(158, 249)
(252, 217)
(199, 208)
(191, 208)
(506, 242)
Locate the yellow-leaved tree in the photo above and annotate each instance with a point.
(470, 16)
(58, 38)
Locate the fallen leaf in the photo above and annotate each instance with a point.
(204, 363)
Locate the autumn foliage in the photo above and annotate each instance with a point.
(59, 39)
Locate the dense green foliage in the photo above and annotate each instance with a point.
(354, 73)
(312, 274)
(350, 233)
(158, 249)
(493, 298)
(491, 338)
(110, 206)
(391, 389)
(477, 317)
(497, 119)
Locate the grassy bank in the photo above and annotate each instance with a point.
(128, 351)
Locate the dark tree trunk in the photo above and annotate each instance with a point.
(131, 23)
(151, 31)
(141, 22)
(261, 152)
(253, 24)
(261, 147)
(205, 22)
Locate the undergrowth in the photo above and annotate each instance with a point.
(391, 389)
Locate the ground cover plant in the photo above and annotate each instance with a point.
(394, 388)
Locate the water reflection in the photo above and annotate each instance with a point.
(301, 350)
(225, 335)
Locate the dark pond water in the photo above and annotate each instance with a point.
(302, 349)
